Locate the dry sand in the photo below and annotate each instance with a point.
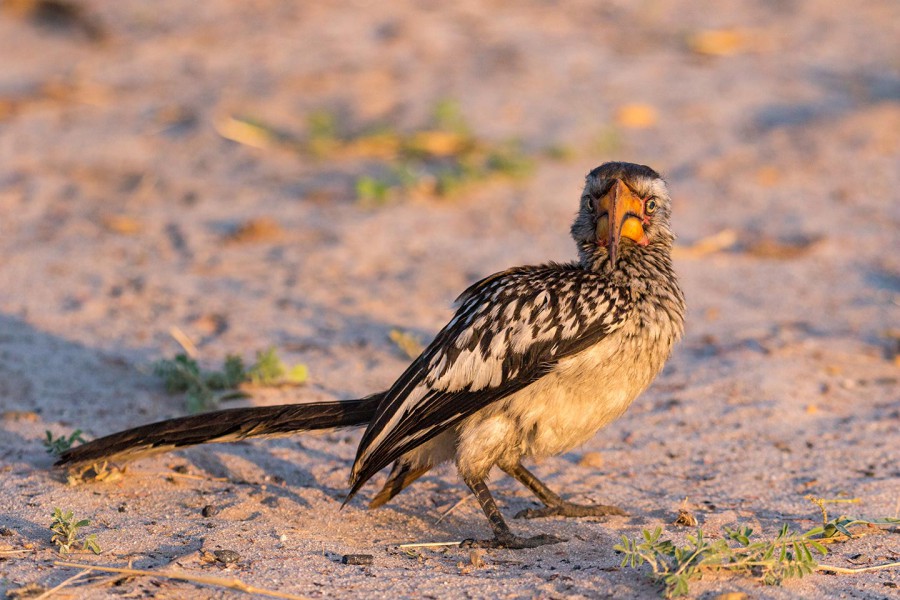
(117, 197)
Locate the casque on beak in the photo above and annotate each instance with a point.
(621, 215)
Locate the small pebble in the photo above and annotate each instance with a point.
(226, 557)
(210, 510)
(6, 531)
(357, 559)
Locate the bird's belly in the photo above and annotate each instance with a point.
(561, 411)
(586, 393)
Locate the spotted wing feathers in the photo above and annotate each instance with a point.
(509, 330)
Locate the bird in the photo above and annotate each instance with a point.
(535, 360)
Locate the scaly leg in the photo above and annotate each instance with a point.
(553, 504)
(503, 537)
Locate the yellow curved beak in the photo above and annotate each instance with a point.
(625, 210)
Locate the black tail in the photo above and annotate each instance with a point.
(228, 425)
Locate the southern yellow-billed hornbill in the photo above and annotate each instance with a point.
(534, 362)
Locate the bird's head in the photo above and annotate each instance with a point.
(625, 207)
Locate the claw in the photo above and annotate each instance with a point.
(570, 509)
(513, 542)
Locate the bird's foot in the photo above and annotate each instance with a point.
(570, 509)
(514, 542)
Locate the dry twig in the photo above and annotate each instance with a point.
(854, 570)
(459, 503)
(53, 590)
(428, 544)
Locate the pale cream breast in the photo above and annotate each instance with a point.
(566, 407)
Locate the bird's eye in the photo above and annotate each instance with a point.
(650, 206)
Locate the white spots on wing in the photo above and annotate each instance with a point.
(520, 338)
(495, 312)
(544, 317)
(470, 371)
(488, 374)
(554, 313)
(496, 327)
(510, 311)
(417, 434)
(437, 366)
(570, 327)
(582, 305)
(610, 316)
(463, 339)
(498, 345)
(522, 335)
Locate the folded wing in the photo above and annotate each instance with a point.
(510, 329)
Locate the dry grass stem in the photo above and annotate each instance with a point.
(73, 578)
(717, 242)
(459, 503)
(184, 341)
(428, 544)
(853, 570)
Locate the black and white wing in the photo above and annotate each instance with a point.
(510, 330)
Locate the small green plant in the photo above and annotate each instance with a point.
(322, 133)
(66, 532)
(510, 159)
(204, 389)
(608, 141)
(439, 159)
(372, 191)
(788, 555)
(771, 561)
(560, 152)
(58, 445)
(447, 116)
(270, 370)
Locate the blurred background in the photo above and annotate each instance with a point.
(164, 160)
(314, 176)
(171, 161)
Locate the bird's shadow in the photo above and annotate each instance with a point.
(49, 383)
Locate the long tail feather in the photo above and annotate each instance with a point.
(401, 476)
(221, 426)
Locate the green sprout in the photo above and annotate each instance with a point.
(58, 445)
(771, 561)
(204, 389)
(66, 532)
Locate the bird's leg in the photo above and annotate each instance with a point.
(503, 537)
(553, 504)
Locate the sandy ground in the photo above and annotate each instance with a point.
(119, 200)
